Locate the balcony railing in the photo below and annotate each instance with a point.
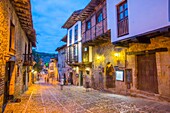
(28, 60)
(73, 60)
(123, 27)
(95, 31)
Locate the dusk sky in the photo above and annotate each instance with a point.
(48, 18)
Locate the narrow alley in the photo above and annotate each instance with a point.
(46, 98)
(85, 56)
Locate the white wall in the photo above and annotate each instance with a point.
(73, 30)
(80, 52)
(144, 16)
(62, 59)
(79, 39)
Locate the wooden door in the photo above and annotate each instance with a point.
(7, 81)
(147, 73)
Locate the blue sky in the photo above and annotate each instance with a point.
(48, 18)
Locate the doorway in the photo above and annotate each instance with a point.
(8, 73)
(147, 73)
(24, 80)
(64, 79)
(81, 78)
(71, 78)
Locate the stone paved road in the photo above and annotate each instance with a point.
(44, 98)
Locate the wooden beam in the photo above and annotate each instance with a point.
(147, 51)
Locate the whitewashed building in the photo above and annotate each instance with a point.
(74, 48)
(63, 68)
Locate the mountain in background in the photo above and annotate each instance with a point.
(43, 57)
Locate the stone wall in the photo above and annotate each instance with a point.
(108, 53)
(20, 41)
(103, 54)
(162, 63)
(4, 34)
(163, 66)
(8, 15)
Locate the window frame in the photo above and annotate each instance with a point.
(70, 36)
(123, 10)
(100, 12)
(87, 25)
(75, 52)
(169, 9)
(76, 33)
(12, 36)
(122, 23)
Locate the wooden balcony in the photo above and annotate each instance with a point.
(28, 60)
(96, 31)
(123, 27)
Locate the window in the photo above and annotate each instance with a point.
(26, 55)
(122, 19)
(169, 9)
(75, 50)
(76, 53)
(70, 54)
(122, 11)
(88, 24)
(76, 32)
(70, 36)
(85, 49)
(86, 54)
(99, 16)
(12, 36)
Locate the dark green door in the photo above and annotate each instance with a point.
(81, 78)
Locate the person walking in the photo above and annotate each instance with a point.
(101, 87)
(47, 78)
(93, 82)
(61, 83)
(87, 83)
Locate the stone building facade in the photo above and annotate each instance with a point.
(139, 55)
(103, 54)
(74, 48)
(63, 68)
(145, 48)
(97, 46)
(17, 37)
(162, 63)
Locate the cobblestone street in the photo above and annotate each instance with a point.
(46, 98)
